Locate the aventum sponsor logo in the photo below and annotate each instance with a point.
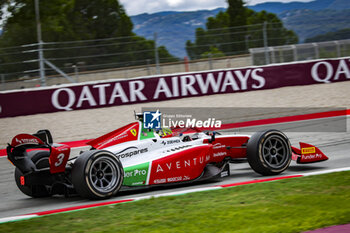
(134, 151)
(180, 164)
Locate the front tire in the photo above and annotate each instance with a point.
(269, 152)
(97, 174)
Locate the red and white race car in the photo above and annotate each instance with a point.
(133, 156)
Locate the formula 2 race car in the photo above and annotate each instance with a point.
(133, 156)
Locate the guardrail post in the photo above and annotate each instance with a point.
(251, 51)
(295, 52)
(210, 62)
(317, 53)
(148, 67)
(280, 56)
(337, 48)
(40, 45)
(3, 82)
(267, 56)
(76, 73)
(273, 58)
(156, 53)
(186, 64)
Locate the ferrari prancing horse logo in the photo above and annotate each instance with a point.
(133, 131)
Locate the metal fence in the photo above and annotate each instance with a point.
(257, 56)
(125, 57)
(80, 75)
(300, 52)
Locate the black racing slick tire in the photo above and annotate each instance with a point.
(269, 152)
(41, 160)
(97, 174)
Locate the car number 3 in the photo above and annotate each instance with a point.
(60, 158)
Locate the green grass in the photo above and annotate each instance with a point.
(291, 205)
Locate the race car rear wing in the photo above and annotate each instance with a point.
(42, 140)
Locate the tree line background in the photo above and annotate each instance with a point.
(98, 34)
(236, 30)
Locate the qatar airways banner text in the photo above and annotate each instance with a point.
(120, 92)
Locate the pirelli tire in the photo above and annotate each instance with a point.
(269, 152)
(97, 174)
(41, 160)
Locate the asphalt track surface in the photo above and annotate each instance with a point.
(336, 145)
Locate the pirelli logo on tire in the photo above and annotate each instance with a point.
(308, 150)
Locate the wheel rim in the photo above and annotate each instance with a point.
(275, 151)
(104, 174)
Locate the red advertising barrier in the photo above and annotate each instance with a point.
(130, 91)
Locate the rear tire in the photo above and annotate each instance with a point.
(269, 152)
(97, 174)
(41, 160)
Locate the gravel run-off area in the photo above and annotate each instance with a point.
(88, 124)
